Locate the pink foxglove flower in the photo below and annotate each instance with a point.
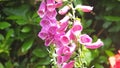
(42, 9)
(84, 8)
(64, 23)
(43, 34)
(68, 65)
(77, 28)
(51, 14)
(64, 53)
(95, 45)
(58, 0)
(50, 5)
(58, 4)
(85, 39)
(45, 23)
(64, 10)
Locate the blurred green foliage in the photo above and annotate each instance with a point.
(20, 46)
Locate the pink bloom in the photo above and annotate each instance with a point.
(86, 8)
(68, 65)
(77, 28)
(51, 5)
(65, 40)
(51, 14)
(85, 39)
(45, 23)
(64, 53)
(43, 34)
(64, 23)
(42, 9)
(58, 0)
(95, 45)
(58, 4)
(64, 10)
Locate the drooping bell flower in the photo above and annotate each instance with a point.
(77, 27)
(58, 4)
(42, 9)
(50, 5)
(43, 34)
(63, 24)
(64, 10)
(69, 64)
(85, 39)
(94, 45)
(51, 14)
(64, 53)
(84, 8)
(58, 0)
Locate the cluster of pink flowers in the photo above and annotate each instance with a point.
(57, 33)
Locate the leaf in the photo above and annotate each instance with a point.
(107, 24)
(1, 37)
(109, 53)
(43, 61)
(4, 25)
(98, 66)
(112, 18)
(114, 28)
(40, 52)
(27, 45)
(1, 65)
(10, 33)
(26, 29)
(8, 64)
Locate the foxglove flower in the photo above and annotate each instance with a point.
(84, 8)
(52, 14)
(95, 45)
(77, 28)
(63, 24)
(64, 10)
(42, 9)
(58, 4)
(68, 65)
(51, 5)
(85, 39)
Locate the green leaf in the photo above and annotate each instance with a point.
(26, 29)
(109, 53)
(21, 22)
(10, 33)
(112, 18)
(114, 28)
(4, 25)
(107, 24)
(27, 45)
(98, 66)
(1, 65)
(40, 52)
(8, 64)
(43, 61)
(1, 37)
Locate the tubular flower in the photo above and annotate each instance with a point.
(42, 9)
(84, 8)
(64, 10)
(51, 5)
(68, 65)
